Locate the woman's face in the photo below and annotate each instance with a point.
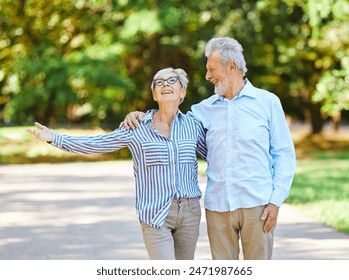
(168, 88)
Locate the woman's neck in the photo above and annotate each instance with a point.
(162, 121)
(165, 114)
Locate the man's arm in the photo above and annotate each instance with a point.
(283, 154)
(284, 164)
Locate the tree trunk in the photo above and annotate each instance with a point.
(336, 119)
(316, 118)
(50, 108)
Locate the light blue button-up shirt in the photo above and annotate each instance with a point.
(164, 168)
(251, 156)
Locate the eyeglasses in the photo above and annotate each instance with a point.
(170, 80)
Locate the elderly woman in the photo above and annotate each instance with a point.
(164, 151)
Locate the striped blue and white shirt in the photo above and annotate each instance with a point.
(164, 168)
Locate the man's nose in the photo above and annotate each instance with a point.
(207, 76)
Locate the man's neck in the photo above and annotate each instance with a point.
(235, 89)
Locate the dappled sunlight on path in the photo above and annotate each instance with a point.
(86, 211)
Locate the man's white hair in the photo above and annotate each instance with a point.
(230, 50)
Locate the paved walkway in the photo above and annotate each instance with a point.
(86, 211)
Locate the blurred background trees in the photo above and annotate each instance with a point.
(90, 62)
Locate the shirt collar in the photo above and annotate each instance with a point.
(248, 90)
(151, 112)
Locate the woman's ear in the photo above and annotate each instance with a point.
(154, 96)
(183, 93)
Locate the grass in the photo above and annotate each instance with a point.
(320, 186)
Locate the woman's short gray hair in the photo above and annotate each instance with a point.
(230, 50)
(179, 72)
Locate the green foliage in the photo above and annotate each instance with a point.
(330, 35)
(333, 91)
(141, 22)
(92, 61)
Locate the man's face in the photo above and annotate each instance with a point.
(216, 73)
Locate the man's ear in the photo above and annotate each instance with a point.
(232, 65)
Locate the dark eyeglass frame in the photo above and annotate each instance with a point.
(171, 80)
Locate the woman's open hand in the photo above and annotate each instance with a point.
(42, 133)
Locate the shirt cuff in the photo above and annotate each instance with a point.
(57, 140)
(278, 197)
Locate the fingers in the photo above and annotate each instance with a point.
(264, 214)
(140, 115)
(34, 132)
(268, 225)
(270, 214)
(268, 220)
(42, 133)
(31, 131)
(131, 121)
(39, 125)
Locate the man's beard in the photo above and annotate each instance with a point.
(221, 88)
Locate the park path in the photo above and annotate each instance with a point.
(85, 211)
